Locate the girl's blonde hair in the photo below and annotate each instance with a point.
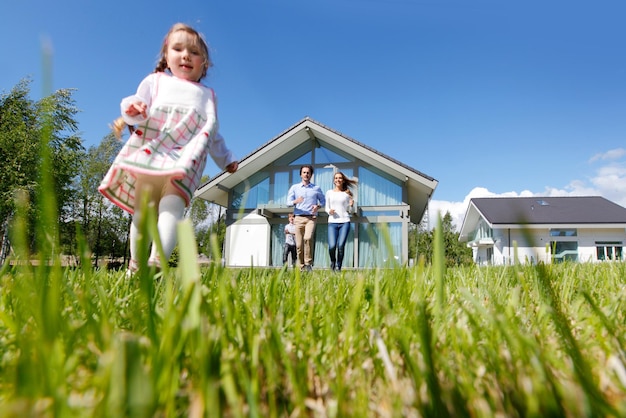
(118, 124)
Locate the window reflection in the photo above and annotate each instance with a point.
(252, 192)
(376, 190)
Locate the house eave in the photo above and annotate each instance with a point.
(560, 225)
(483, 242)
(420, 187)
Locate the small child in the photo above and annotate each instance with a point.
(175, 126)
(290, 241)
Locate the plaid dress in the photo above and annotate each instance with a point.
(181, 128)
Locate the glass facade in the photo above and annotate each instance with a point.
(564, 251)
(375, 189)
(380, 244)
(609, 250)
(563, 232)
(482, 231)
(251, 193)
(279, 188)
(375, 236)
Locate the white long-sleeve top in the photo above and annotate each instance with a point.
(340, 202)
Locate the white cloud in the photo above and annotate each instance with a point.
(614, 154)
(609, 181)
(457, 209)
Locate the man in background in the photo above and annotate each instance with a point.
(306, 198)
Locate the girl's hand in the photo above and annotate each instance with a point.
(137, 108)
(232, 167)
(331, 212)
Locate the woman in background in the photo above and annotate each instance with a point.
(339, 200)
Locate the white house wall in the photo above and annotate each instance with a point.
(587, 241)
(248, 242)
(511, 245)
(508, 241)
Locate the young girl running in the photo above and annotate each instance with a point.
(175, 126)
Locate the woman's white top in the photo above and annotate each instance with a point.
(340, 202)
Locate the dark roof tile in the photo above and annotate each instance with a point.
(550, 210)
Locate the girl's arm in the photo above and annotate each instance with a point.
(222, 156)
(134, 108)
(219, 152)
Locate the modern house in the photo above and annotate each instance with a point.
(390, 195)
(544, 229)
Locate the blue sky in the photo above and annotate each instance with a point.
(489, 97)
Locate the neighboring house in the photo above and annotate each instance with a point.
(504, 230)
(389, 196)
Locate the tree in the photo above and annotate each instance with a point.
(206, 218)
(25, 127)
(199, 210)
(104, 225)
(18, 151)
(421, 243)
(457, 253)
(218, 228)
(66, 149)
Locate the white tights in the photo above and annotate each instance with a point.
(171, 210)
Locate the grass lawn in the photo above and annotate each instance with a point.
(538, 341)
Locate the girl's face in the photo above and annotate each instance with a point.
(184, 56)
(338, 180)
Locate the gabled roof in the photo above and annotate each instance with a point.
(420, 187)
(518, 212)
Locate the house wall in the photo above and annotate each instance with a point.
(587, 239)
(533, 245)
(373, 241)
(247, 241)
(379, 233)
(512, 245)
